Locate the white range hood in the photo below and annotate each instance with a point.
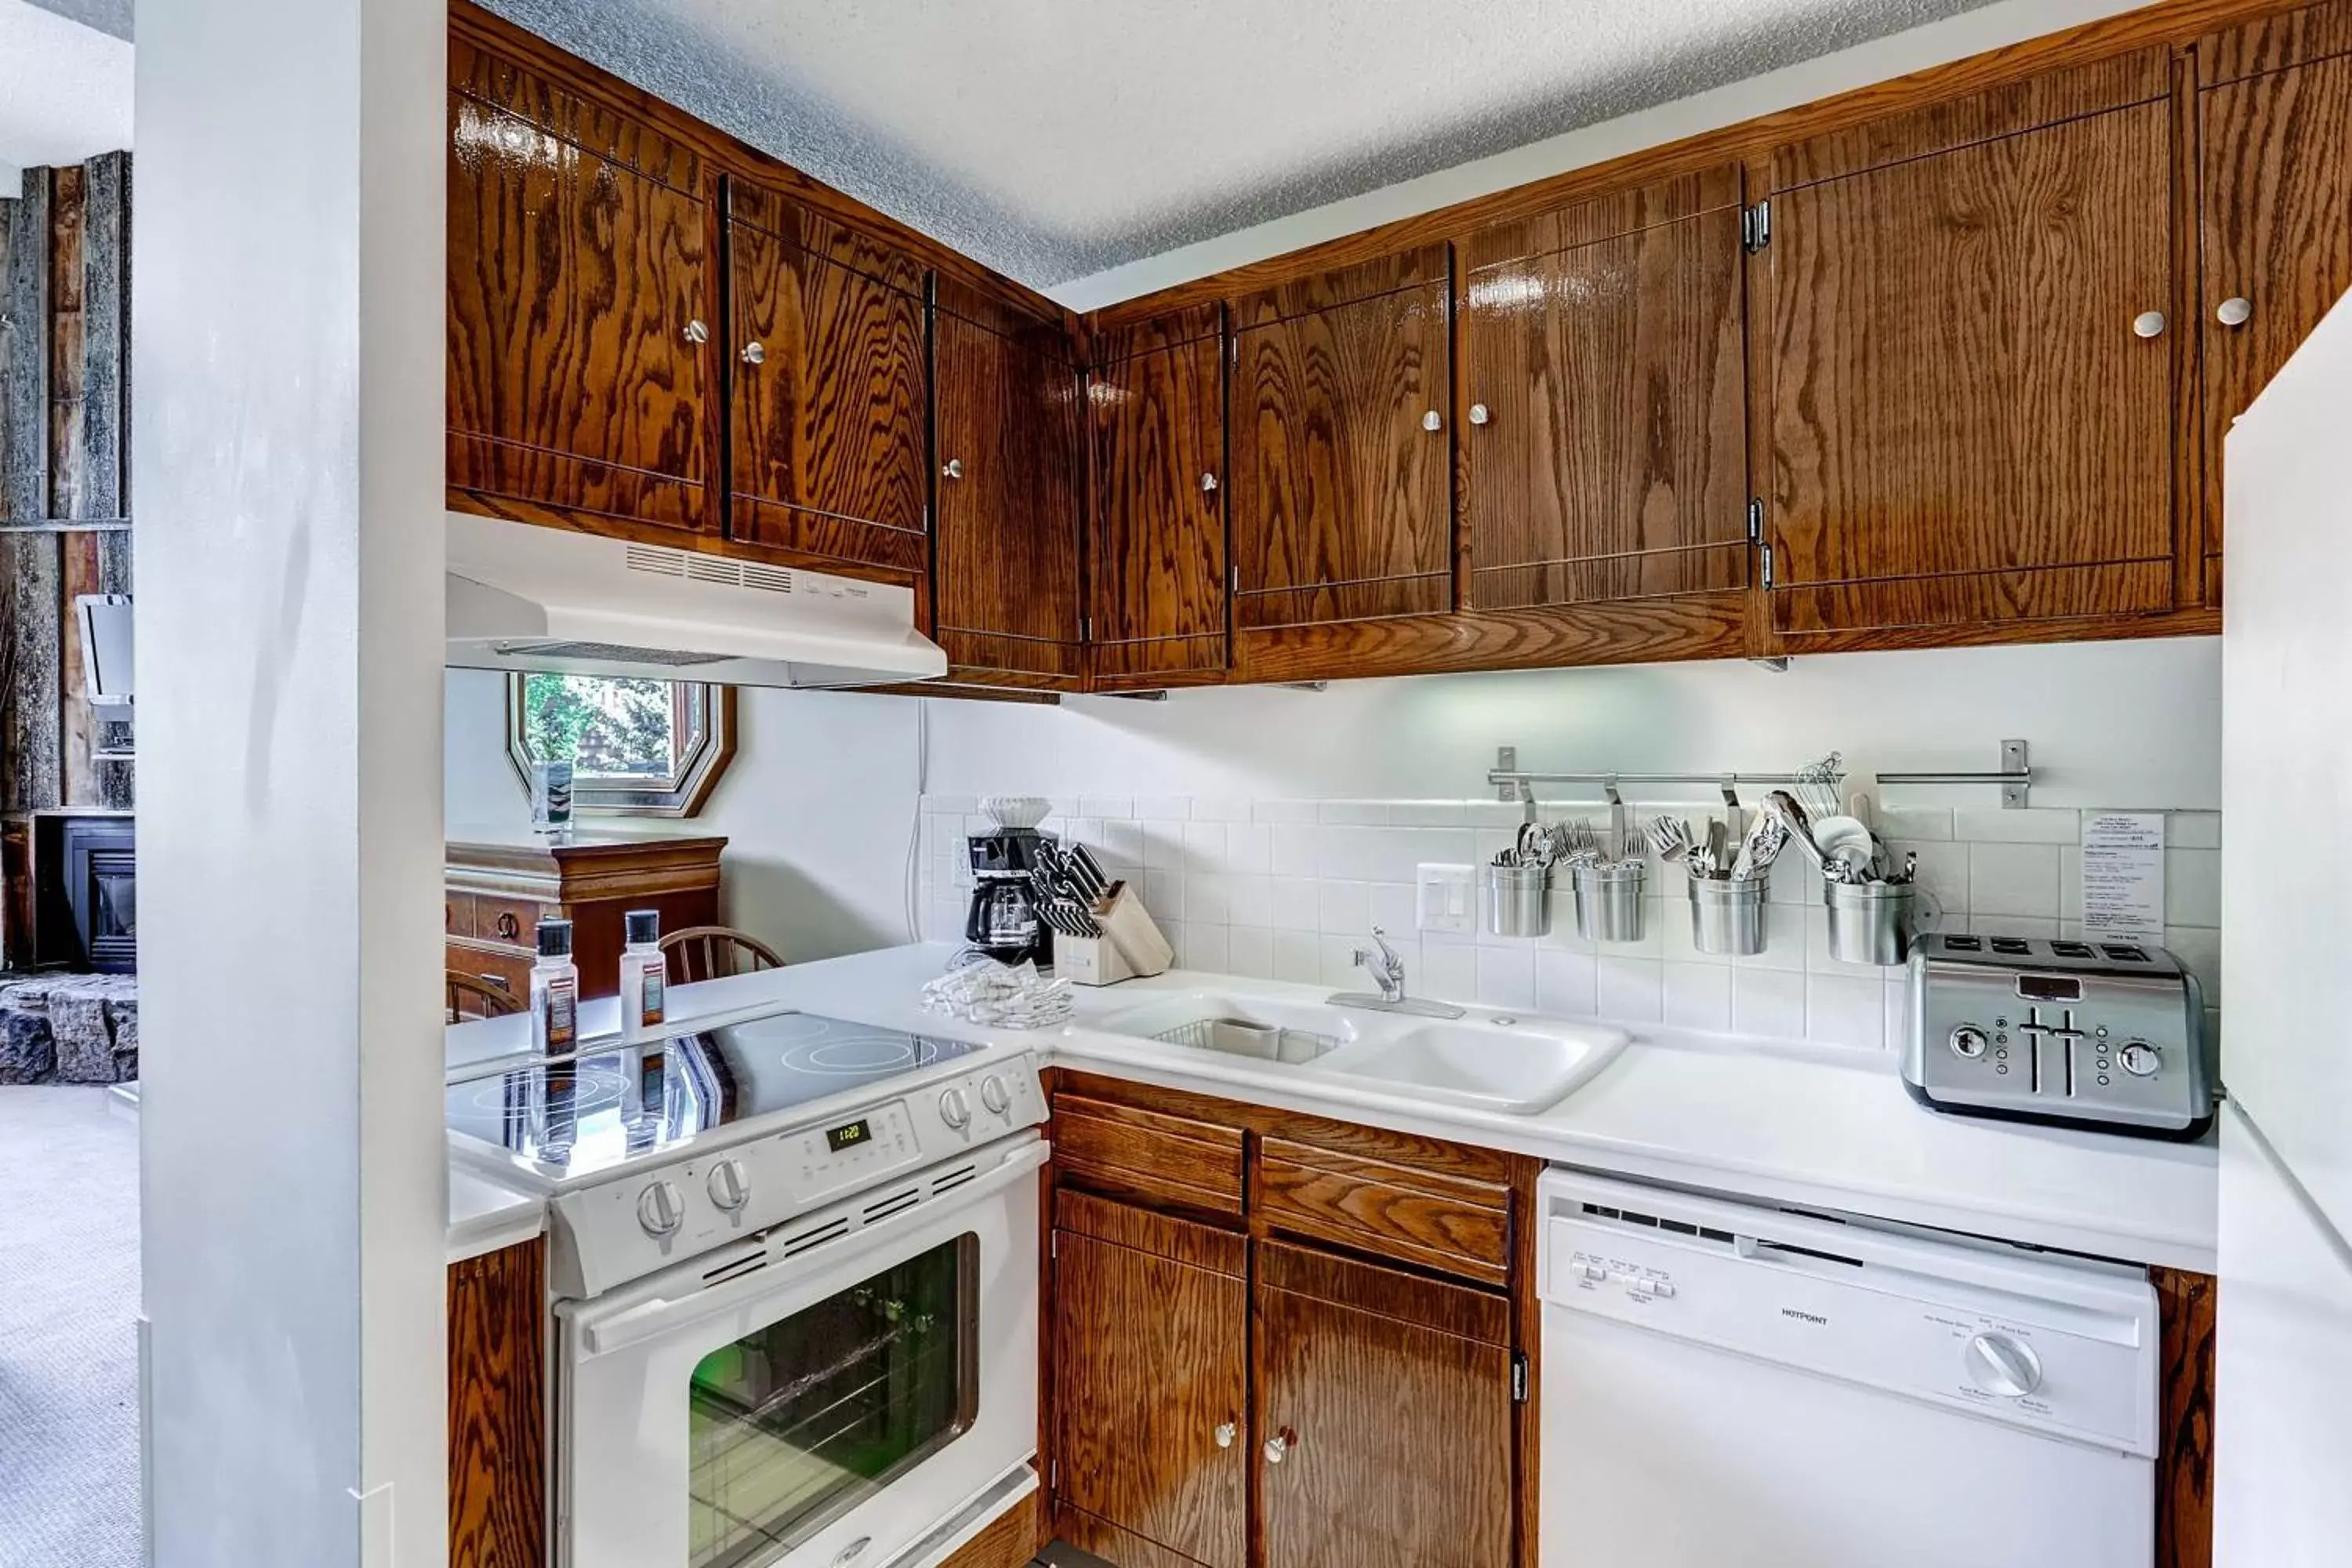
(523, 599)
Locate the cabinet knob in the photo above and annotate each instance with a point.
(755, 353)
(1208, 482)
(1226, 1432)
(1432, 420)
(1280, 1445)
(952, 468)
(2149, 325)
(2235, 311)
(510, 929)
(696, 332)
(1478, 414)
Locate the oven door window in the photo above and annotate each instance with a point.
(808, 1417)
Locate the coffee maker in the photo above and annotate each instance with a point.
(1003, 920)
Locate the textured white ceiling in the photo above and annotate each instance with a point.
(64, 89)
(1055, 138)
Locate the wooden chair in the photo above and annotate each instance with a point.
(708, 952)
(472, 997)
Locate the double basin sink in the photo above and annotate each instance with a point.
(1485, 1060)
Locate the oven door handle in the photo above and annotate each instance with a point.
(647, 1320)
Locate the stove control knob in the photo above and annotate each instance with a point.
(730, 1187)
(993, 1095)
(955, 1109)
(660, 1209)
(1969, 1042)
(2139, 1058)
(2003, 1365)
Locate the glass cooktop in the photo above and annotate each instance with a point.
(618, 1106)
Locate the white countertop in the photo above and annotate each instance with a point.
(484, 1214)
(1809, 1127)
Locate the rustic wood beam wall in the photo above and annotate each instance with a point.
(64, 318)
(31, 750)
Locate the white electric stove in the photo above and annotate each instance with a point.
(794, 1262)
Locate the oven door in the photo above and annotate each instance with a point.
(820, 1398)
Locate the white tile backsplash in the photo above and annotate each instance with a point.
(1288, 889)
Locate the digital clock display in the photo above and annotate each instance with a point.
(855, 1135)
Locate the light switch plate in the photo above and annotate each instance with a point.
(1444, 899)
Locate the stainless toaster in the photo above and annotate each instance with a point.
(2108, 1035)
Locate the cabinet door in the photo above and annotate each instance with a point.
(1968, 424)
(830, 391)
(1008, 434)
(579, 303)
(1156, 438)
(1605, 455)
(1384, 1416)
(1340, 496)
(1151, 1380)
(2276, 228)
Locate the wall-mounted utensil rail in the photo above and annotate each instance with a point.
(2015, 777)
(1512, 781)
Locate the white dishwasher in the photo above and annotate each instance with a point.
(1732, 1386)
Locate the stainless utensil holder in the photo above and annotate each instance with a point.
(1727, 917)
(1871, 922)
(1609, 900)
(1514, 900)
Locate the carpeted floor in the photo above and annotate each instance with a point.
(68, 1340)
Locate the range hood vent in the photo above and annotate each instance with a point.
(527, 598)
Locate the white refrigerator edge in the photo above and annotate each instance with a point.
(2283, 1424)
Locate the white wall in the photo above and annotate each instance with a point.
(287, 474)
(819, 801)
(2111, 724)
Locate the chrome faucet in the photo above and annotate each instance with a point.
(1387, 970)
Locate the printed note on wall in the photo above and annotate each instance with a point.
(2123, 876)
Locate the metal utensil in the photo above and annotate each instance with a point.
(1783, 807)
(1766, 837)
(1670, 836)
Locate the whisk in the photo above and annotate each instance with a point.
(1817, 786)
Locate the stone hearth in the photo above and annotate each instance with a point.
(69, 1028)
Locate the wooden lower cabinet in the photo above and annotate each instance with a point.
(1387, 1398)
(1151, 1330)
(498, 1318)
(1282, 1341)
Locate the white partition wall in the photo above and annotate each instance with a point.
(288, 309)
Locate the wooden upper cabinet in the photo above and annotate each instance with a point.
(579, 308)
(1009, 446)
(830, 390)
(1389, 1398)
(1156, 450)
(1340, 450)
(1605, 396)
(1151, 1377)
(1967, 424)
(2275, 230)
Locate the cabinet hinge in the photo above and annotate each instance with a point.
(1233, 580)
(1054, 1475)
(1518, 1377)
(1756, 520)
(1086, 628)
(1053, 1244)
(1768, 568)
(1756, 225)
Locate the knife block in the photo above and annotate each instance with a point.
(1130, 946)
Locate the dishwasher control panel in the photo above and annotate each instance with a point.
(2060, 1345)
